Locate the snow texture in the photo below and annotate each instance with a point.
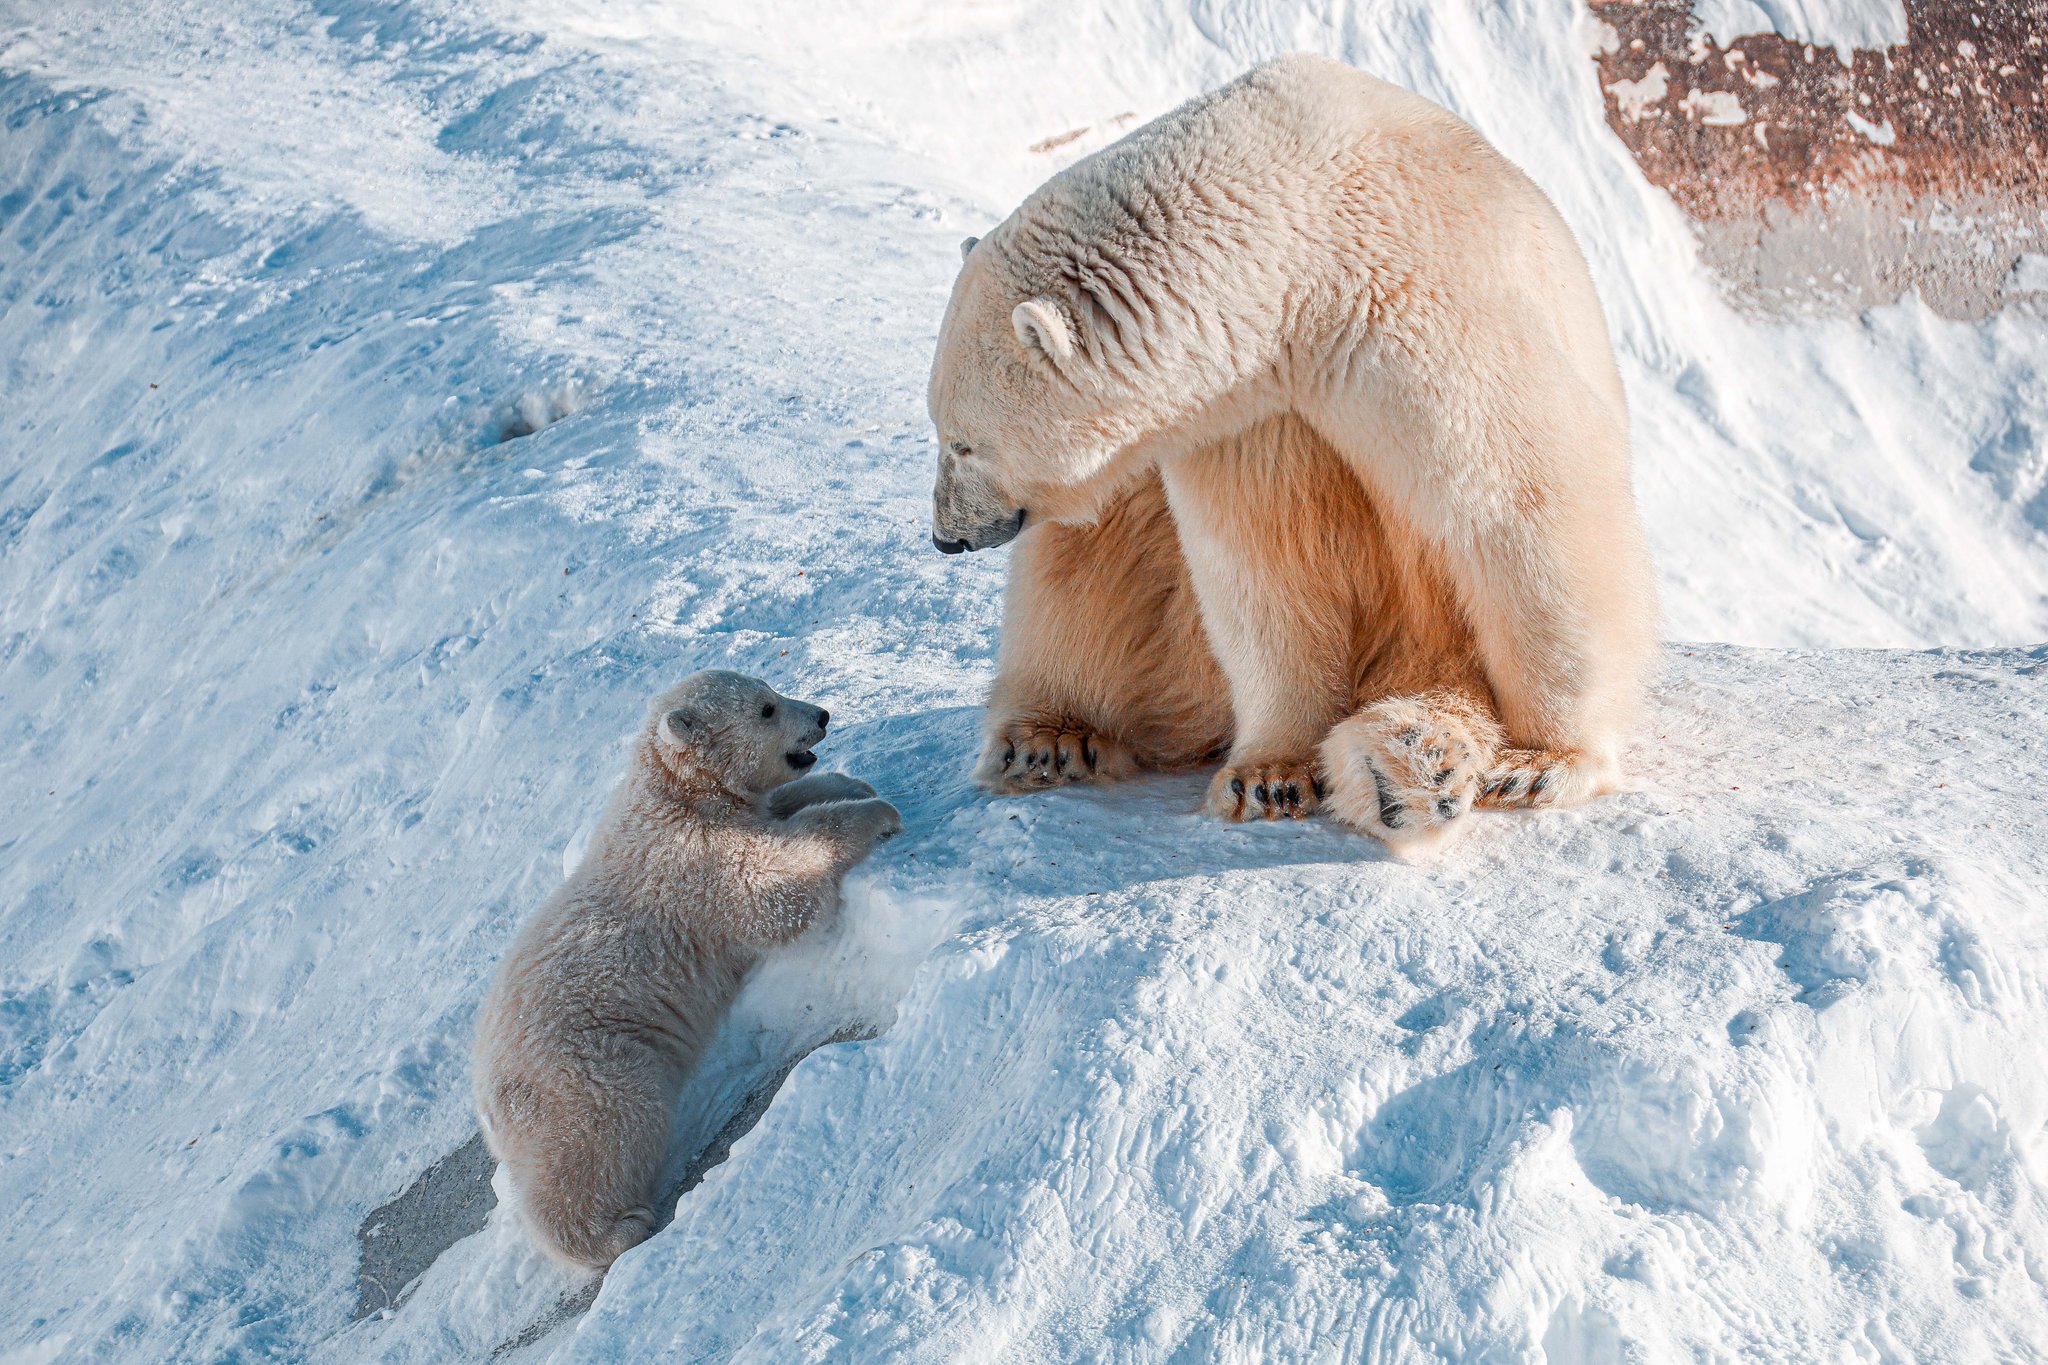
(399, 394)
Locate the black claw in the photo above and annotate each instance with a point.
(1408, 734)
(1444, 776)
(1088, 754)
(1315, 784)
(1542, 781)
(1259, 793)
(1237, 786)
(1390, 809)
(1293, 794)
(1447, 808)
(1009, 755)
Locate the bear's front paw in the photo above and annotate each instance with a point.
(1407, 770)
(1265, 791)
(1028, 755)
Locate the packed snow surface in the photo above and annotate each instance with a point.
(397, 395)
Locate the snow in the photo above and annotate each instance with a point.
(398, 395)
(1840, 24)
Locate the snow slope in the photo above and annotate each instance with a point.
(399, 394)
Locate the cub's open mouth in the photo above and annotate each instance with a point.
(800, 759)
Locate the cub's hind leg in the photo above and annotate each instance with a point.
(1104, 668)
(584, 1155)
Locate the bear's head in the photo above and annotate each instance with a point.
(732, 731)
(1039, 394)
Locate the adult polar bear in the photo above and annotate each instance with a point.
(1305, 394)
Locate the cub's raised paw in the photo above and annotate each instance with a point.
(1408, 769)
(1265, 791)
(816, 789)
(1025, 756)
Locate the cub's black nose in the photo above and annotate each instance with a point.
(949, 547)
(824, 718)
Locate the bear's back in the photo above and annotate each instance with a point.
(1287, 134)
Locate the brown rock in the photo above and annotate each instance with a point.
(1824, 185)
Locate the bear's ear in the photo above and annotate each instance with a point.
(967, 248)
(682, 727)
(1041, 326)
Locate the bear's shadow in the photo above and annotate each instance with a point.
(1082, 839)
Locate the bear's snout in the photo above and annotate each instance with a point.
(983, 537)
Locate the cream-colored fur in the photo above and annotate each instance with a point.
(708, 853)
(1305, 396)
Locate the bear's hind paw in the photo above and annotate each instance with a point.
(1026, 756)
(1408, 769)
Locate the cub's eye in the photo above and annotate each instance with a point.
(960, 448)
(768, 711)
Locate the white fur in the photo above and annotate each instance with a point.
(1311, 256)
(707, 853)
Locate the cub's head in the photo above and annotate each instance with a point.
(1032, 397)
(733, 730)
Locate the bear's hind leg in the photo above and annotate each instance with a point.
(1407, 769)
(1105, 670)
(1525, 779)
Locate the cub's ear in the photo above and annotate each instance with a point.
(967, 248)
(1041, 325)
(682, 727)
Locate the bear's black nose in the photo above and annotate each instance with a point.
(949, 547)
(824, 718)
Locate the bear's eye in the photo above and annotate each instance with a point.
(768, 711)
(960, 448)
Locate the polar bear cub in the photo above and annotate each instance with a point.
(713, 848)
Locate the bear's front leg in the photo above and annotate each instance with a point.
(1278, 621)
(1266, 791)
(813, 790)
(847, 830)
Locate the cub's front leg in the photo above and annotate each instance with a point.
(845, 832)
(814, 790)
(796, 867)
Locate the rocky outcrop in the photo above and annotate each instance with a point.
(1825, 180)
